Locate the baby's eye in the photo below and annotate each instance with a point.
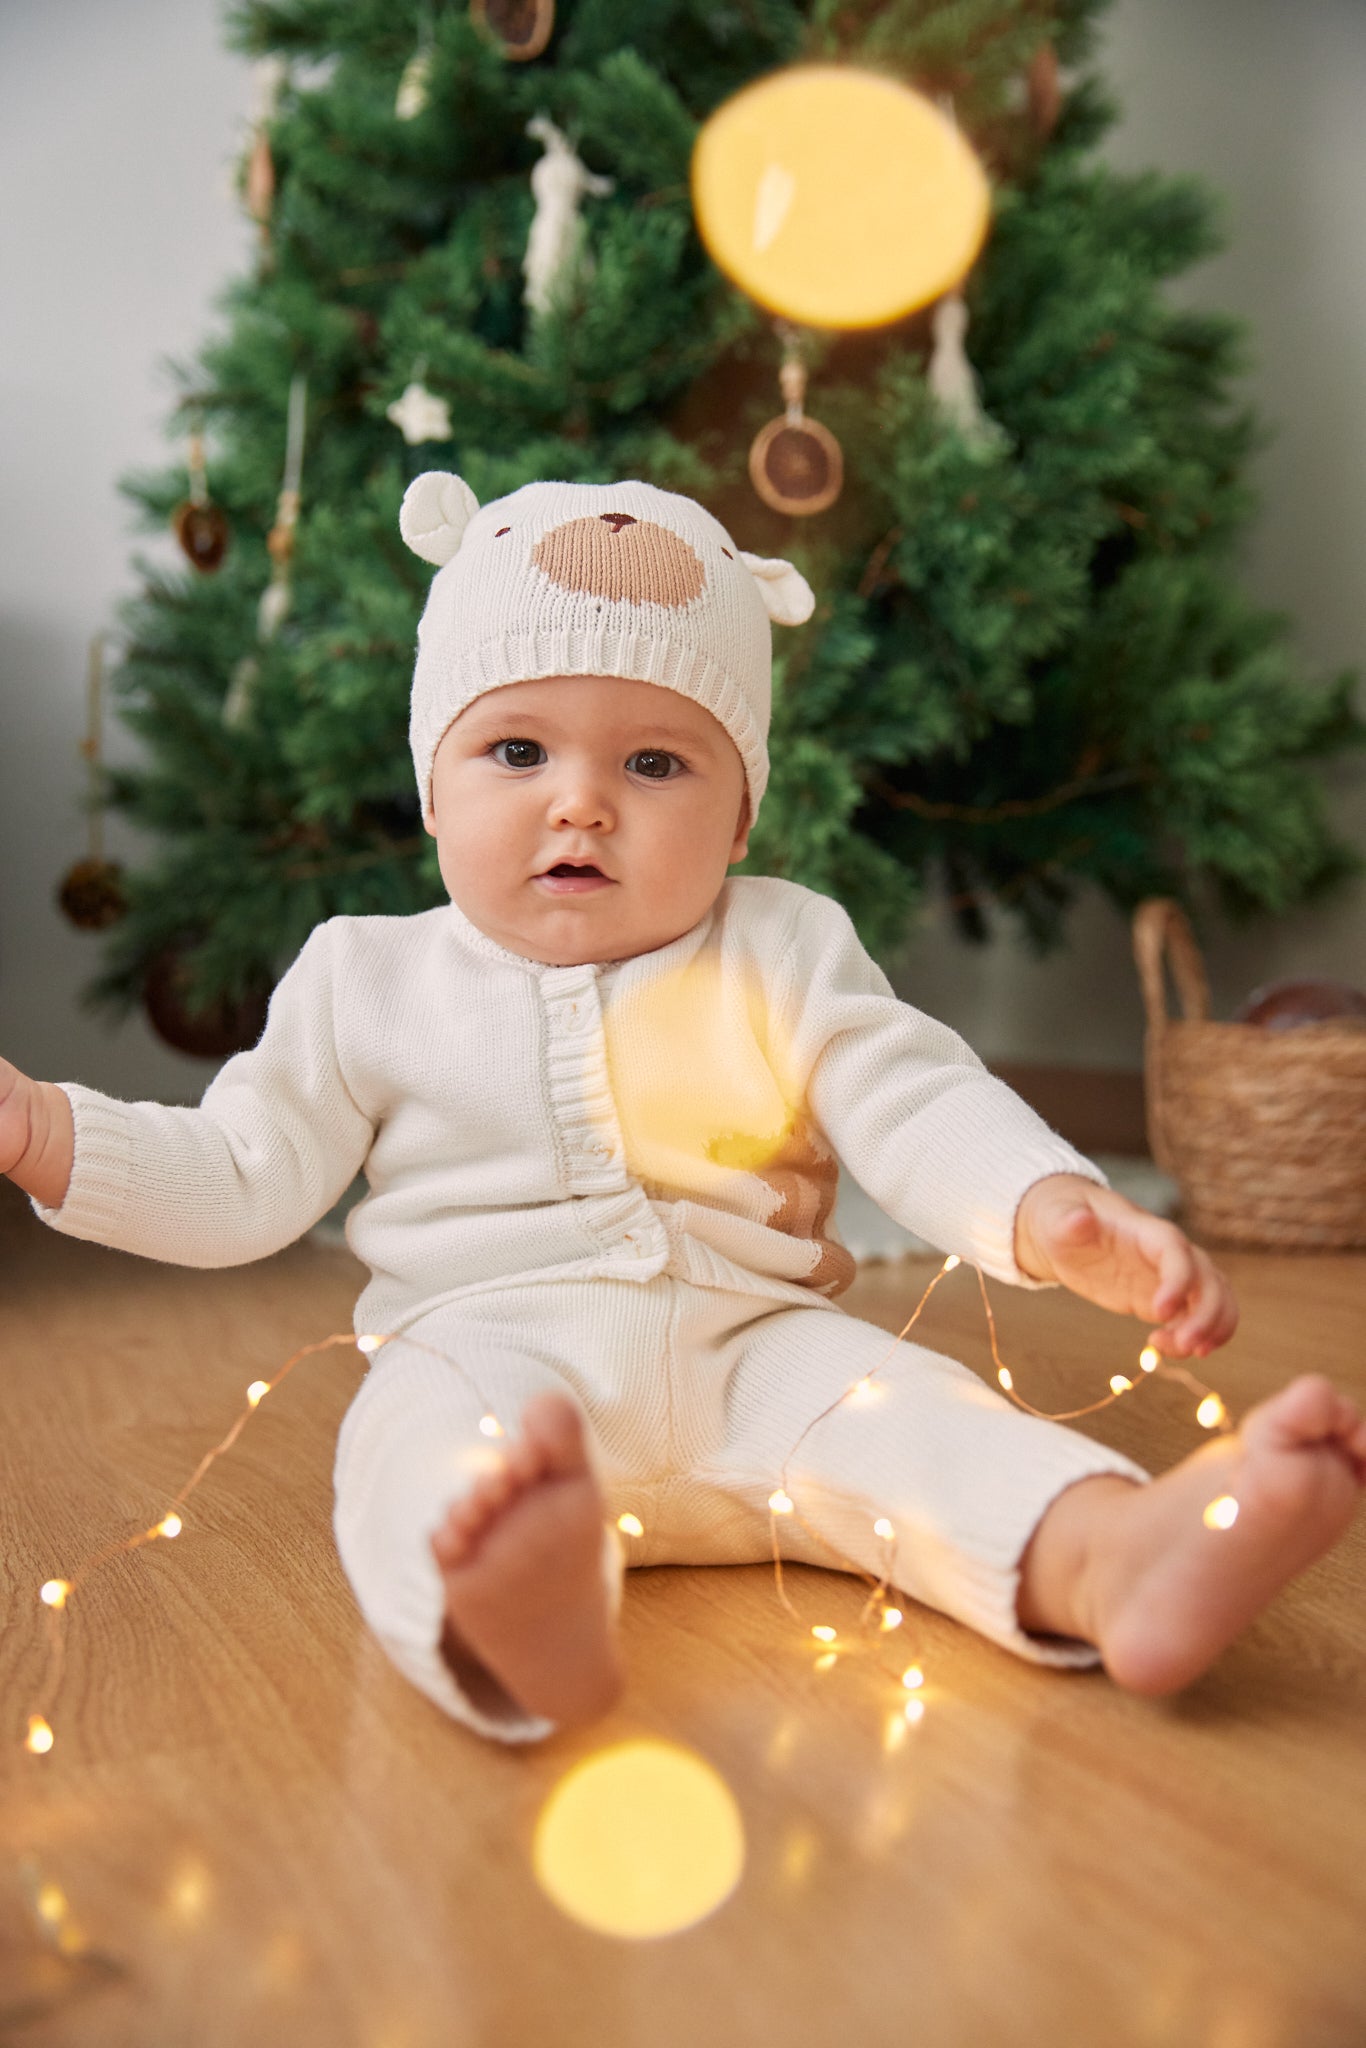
(654, 764)
(520, 753)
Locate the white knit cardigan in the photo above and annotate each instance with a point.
(515, 1120)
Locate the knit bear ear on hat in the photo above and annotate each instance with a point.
(788, 598)
(436, 509)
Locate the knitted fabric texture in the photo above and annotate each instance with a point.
(562, 579)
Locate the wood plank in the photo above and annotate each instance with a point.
(264, 1835)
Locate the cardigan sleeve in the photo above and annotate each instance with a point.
(275, 1141)
(938, 1142)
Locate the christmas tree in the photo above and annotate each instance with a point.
(1030, 668)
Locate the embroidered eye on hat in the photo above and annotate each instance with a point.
(561, 579)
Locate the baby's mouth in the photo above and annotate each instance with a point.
(570, 878)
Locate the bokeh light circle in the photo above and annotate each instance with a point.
(838, 197)
(641, 1840)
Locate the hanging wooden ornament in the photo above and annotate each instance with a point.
(273, 607)
(521, 28)
(796, 465)
(259, 186)
(199, 525)
(211, 1033)
(1043, 86)
(275, 599)
(91, 892)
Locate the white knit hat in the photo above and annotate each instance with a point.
(585, 580)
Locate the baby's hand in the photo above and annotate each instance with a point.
(36, 1136)
(1110, 1251)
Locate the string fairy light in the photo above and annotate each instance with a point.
(1220, 1514)
(1211, 1413)
(55, 1594)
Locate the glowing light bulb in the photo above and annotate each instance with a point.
(257, 1391)
(1118, 1384)
(40, 1737)
(826, 1660)
(169, 1525)
(490, 1425)
(630, 1525)
(1221, 1513)
(1004, 1377)
(779, 1503)
(1210, 1413)
(863, 1387)
(368, 1344)
(824, 1633)
(54, 1591)
(952, 1262)
(912, 1678)
(891, 1618)
(914, 1711)
(883, 1528)
(51, 1903)
(1149, 1359)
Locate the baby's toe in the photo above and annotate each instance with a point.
(1304, 1412)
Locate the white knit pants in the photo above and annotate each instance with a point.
(694, 1398)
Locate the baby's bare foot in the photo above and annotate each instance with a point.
(521, 1555)
(1163, 1593)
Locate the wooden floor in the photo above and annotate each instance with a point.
(251, 1831)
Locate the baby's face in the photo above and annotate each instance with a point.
(586, 818)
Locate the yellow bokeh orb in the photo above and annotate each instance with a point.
(838, 197)
(641, 1840)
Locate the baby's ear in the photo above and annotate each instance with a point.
(436, 509)
(788, 597)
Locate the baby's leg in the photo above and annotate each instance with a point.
(1138, 1572)
(923, 1474)
(527, 1606)
(518, 1521)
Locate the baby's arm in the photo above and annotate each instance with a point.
(937, 1141)
(1112, 1252)
(37, 1136)
(277, 1138)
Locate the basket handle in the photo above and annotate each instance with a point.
(1163, 937)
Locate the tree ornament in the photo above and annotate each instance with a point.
(952, 378)
(273, 607)
(554, 250)
(211, 1033)
(268, 76)
(91, 892)
(521, 28)
(419, 414)
(837, 197)
(411, 98)
(796, 465)
(1043, 87)
(199, 525)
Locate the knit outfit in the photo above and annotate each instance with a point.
(615, 1180)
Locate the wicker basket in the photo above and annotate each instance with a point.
(1265, 1131)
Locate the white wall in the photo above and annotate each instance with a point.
(118, 129)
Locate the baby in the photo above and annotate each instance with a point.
(597, 1099)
